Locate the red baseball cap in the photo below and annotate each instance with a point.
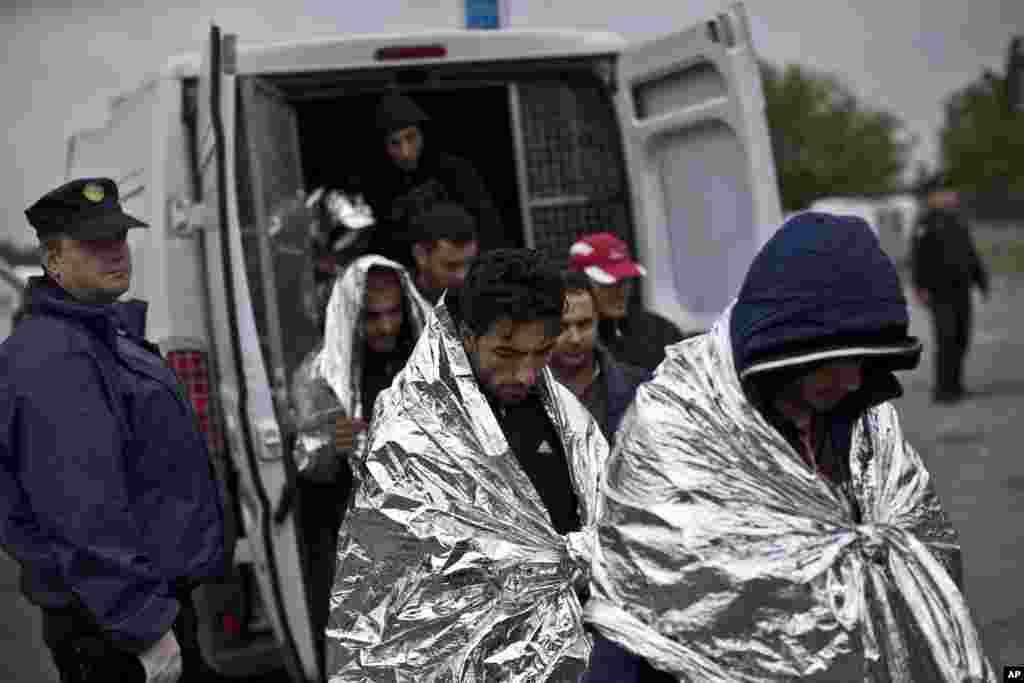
(604, 258)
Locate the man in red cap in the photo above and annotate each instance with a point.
(636, 336)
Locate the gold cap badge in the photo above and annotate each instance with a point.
(93, 192)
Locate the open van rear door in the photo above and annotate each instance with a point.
(277, 238)
(251, 424)
(700, 164)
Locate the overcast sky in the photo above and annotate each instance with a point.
(65, 60)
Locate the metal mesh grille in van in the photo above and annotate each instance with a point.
(556, 228)
(575, 179)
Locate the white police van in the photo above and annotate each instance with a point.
(664, 143)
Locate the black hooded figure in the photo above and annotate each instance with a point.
(412, 176)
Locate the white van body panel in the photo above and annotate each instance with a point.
(13, 281)
(701, 165)
(12, 293)
(344, 53)
(143, 149)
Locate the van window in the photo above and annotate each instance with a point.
(544, 139)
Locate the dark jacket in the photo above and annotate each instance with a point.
(640, 339)
(838, 290)
(397, 196)
(943, 257)
(613, 391)
(108, 497)
(538, 447)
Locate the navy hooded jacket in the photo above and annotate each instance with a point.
(619, 381)
(820, 288)
(107, 494)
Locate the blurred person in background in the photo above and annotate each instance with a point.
(444, 243)
(604, 385)
(108, 496)
(372, 321)
(633, 335)
(944, 267)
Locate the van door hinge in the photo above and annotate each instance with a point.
(184, 217)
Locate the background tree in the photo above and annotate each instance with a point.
(825, 141)
(982, 142)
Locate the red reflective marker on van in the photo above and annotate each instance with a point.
(193, 370)
(230, 623)
(384, 54)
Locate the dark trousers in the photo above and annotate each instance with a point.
(321, 509)
(82, 655)
(951, 318)
(612, 663)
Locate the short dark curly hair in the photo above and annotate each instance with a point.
(577, 281)
(515, 284)
(445, 221)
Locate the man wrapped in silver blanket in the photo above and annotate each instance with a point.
(464, 553)
(762, 517)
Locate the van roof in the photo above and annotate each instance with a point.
(359, 51)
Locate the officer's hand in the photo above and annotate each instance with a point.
(162, 662)
(346, 429)
(921, 295)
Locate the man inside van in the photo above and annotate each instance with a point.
(605, 385)
(414, 175)
(461, 557)
(108, 499)
(444, 244)
(634, 336)
(374, 317)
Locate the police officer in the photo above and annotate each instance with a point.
(107, 495)
(945, 265)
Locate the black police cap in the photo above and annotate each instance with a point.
(84, 209)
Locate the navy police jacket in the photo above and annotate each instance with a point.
(107, 494)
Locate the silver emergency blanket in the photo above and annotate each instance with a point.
(333, 222)
(327, 382)
(449, 568)
(722, 557)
